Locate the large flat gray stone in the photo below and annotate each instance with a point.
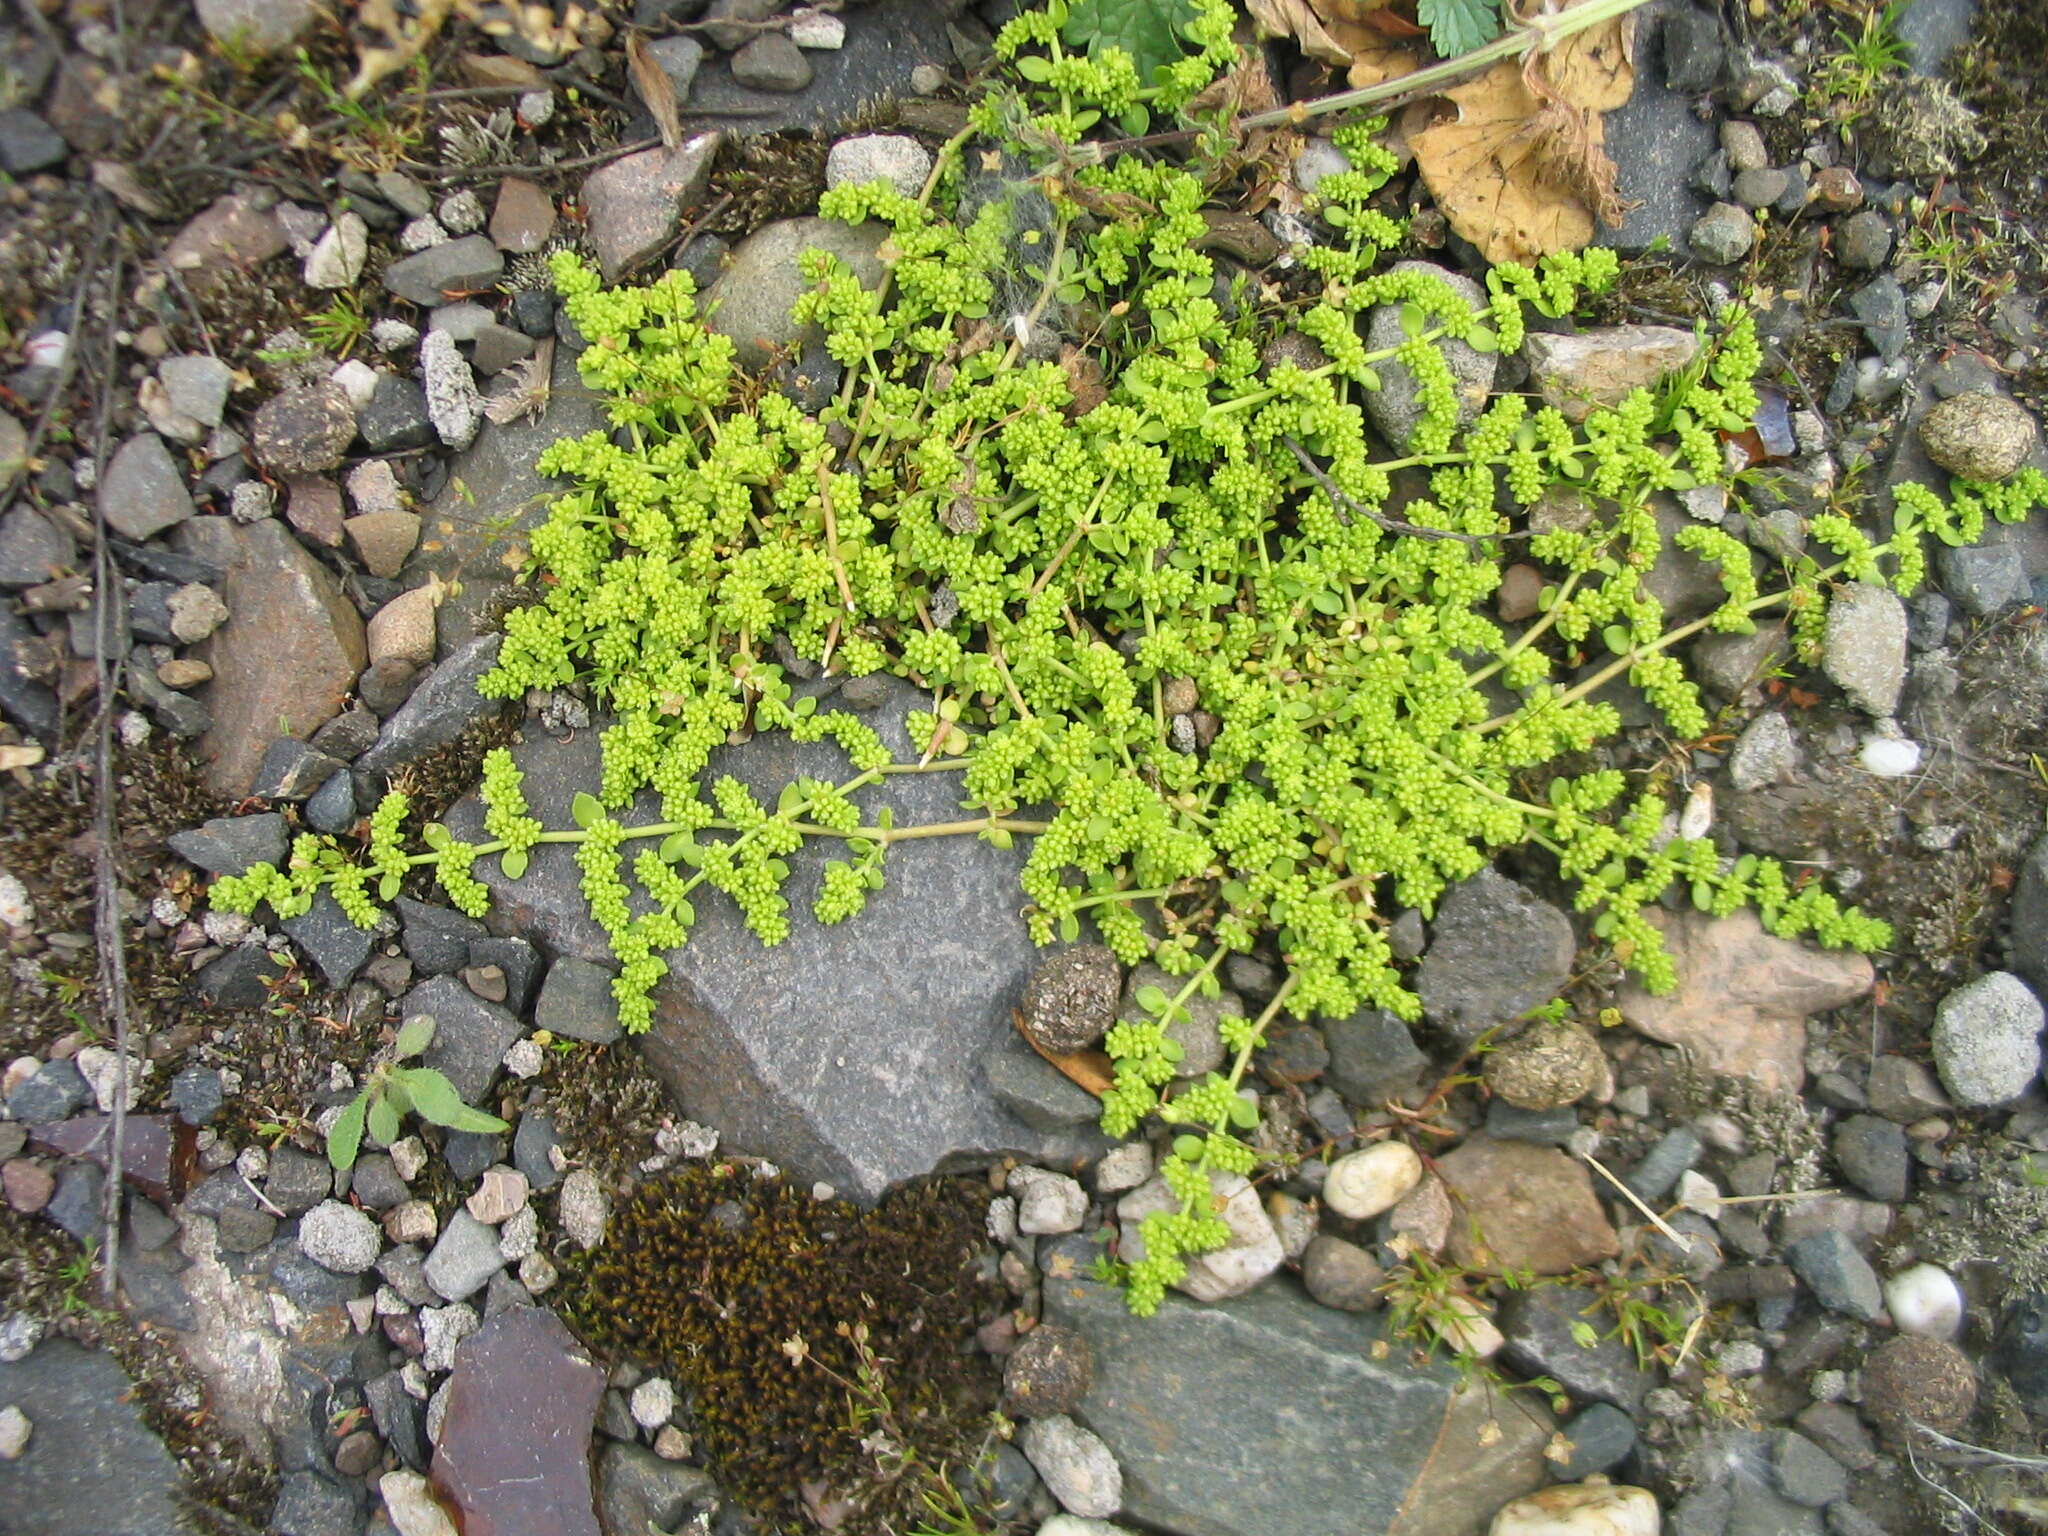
(883, 45)
(92, 1467)
(1203, 1405)
(1655, 140)
(851, 1053)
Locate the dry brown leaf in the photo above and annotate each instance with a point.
(1375, 57)
(655, 88)
(1520, 169)
(1296, 19)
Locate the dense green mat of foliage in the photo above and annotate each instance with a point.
(1150, 579)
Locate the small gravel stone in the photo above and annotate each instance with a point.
(443, 1328)
(1360, 1185)
(892, 157)
(582, 1208)
(1872, 1153)
(336, 260)
(461, 213)
(464, 1258)
(1724, 235)
(1049, 1372)
(15, 1429)
(653, 1402)
(1341, 1275)
(453, 405)
(1987, 1040)
(772, 62)
(1979, 436)
(1863, 241)
(339, 1238)
(1072, 997)
(501, 1196)
(1077, 1467)
(1840, 1278)
(1047, 1203)
(1744, 144)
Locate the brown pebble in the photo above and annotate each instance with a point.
(358, 1454)
(184, 672)
(1912, 1380)
(28, 1185)
(486, 981)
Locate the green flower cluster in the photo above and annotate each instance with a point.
(1244, 656)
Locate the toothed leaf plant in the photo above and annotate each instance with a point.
(1351, 732)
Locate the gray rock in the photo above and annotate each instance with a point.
(1672, 1154)
(32, 548)
(1495, 951)
(1373, 1057)
(396, 417)
(339, 1238)
(1763, 186)
(465, 1257)
(1987, 1040)
(881, 53)
(236, 979)
(1601, 1438)
(257, 26)
(1694, 51)
(1034, 1090)
(1341, 1275)
(399, 1417)
(726, 21)
(576, 1002)
(436, 939)
(771, 62)
(634, 206)
(1076, 1465)
(1724, 234)
(438, 710)
(1734, 1497)
(532, 1140)
(92, 1467)
(1880, 306)
(1863, 241)
(452, 268)
(333, 943)
(1545, 1127)
(142, 491)
(2030, 916)
(679, 58)
(297, 1180)
(498, 347)
(1841, 1279)
(309, 1505)
(57, 1091)
(1655, 137)
(740, 1030)
(28, 144)
(1395, 408)
(1873, 1155)
(375, 1182)
(303, 430)
(453, 405)
(195, 1095)
(752, 299)
(232, 845)
(1989, 575)
(291, 770)
(892, 157)
(1538, 1327)
(1348, 1436)
(1765, 754)
(22, 698)
(1864, 648)
(78, 1205)
(471, 1036)
(1805, 1473)
(639, 1491)
(1979, 436)
(333, 808)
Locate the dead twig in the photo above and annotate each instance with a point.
(1391, 524)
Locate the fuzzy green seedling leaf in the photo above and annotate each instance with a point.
(414, 1036)
(346, 1138)
(436, 1100)
(383, 1119)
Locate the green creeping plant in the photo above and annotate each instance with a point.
(1181, 617)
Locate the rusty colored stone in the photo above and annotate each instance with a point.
(159, 1153)
(1523, 1207)
(514, 1452)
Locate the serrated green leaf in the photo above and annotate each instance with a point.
(346, 1139)
(1148, 30)
(586, 810)
(436, 1100)
(512, 863)
(1458, 26)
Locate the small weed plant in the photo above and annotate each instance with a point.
(1226, 664)
(394, 1091)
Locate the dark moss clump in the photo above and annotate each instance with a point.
(713, 1276)
(607, 1104)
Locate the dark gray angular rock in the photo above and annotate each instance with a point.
(1545, 1127)
(442, 706)
(1672, 1154)
(332, 809)
(143, 490)
(1734, 1497)
(92, 1467)
(1694, 49)
(471, 1036)
(1034, 1090)
(436, 939)
(24, 700)
(440, 272)
(1986, 576)
(1873, 1155)
(244, 1229)
(291, 770)
(1349, 1437)
(1655, 139)
(848, 1054)
(520, 962)
(1601, 1438)
(464, 1258)
(771, 62)
(349, 734)
(32, 549)
(396, 417)
(28, 144)
(400, 1418)
(334, 944)
(469, 1153)
(232, 845)
(1495, 951)
(532, 1139)
(1840, 1278)
(56, 1092)
(1805, 1473)
(149, 613)
(400, 1268)
(576, 1002)
(309, 1505)
(375, 1182)
(236, 979)
(195, 1095)
(297, 1181)
(1538, 1327)
(182, 716)
(1373, 1057)
(638, 1491)
(893, 39)
(77, 1204)
(1880, 306)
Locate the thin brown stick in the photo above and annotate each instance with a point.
(1391, 524)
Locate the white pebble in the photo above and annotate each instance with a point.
(1925, 1300)
(411, 1504)
(393, 335)
(536, 107)
(816, 29)
(356, 379)
(16, 910)
(1890, 757)
(1362, 1184)
(15, 1429)
(1048, 1203)
(653, 1401)
(1581, 1509)
(525, 1058)
(1697, 1192)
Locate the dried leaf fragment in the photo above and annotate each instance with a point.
(655, 88)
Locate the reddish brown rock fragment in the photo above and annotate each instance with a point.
(159, 1153)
